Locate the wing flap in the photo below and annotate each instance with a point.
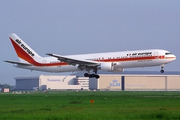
(18, 63)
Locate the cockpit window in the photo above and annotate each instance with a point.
(168, 53)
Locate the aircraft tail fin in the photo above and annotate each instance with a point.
(24, 52)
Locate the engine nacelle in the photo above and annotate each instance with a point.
(111, 66)
(118, 69)
(107, 66)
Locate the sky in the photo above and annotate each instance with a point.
(68, 27)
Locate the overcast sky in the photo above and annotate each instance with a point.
(88, 26)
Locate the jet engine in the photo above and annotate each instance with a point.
(110, 66)
(118, 69)
(107, 66)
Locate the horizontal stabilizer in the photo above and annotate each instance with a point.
(18, 63)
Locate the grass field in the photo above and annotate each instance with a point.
(72, 105)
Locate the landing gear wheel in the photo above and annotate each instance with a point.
(97, 76)
(162, 71)
(86, 75)
(162, 68)
(93, 75)
(90, 76)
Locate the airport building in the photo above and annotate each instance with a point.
(138, 82)
(105, 82)
(45, 82)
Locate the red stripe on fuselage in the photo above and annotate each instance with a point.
(23, 55)
(129, 59)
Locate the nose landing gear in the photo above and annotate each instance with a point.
(162, 68)
(162, 71)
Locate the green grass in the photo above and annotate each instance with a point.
(70, 105)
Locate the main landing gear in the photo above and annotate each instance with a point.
(162, 68)
(91, 75)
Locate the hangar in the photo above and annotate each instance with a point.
(138, 82)
(105, 82)
(44, 82)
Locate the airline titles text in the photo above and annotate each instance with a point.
(24, 47)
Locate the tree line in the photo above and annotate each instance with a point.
(6, 86)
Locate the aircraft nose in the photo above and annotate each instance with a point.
(174, 57)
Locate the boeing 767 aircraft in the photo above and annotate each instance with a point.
(109, 61)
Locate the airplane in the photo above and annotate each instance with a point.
(109, 61)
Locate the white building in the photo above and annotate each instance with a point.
(138, 82)
(44, 82)
(105, 82)
(5, 90)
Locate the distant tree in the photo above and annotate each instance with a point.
(6, 86)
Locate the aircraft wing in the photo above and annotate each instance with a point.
(18, 63)
(73, 61)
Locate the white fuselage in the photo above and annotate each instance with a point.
(120, 60)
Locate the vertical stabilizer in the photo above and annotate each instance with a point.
(24, 52)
